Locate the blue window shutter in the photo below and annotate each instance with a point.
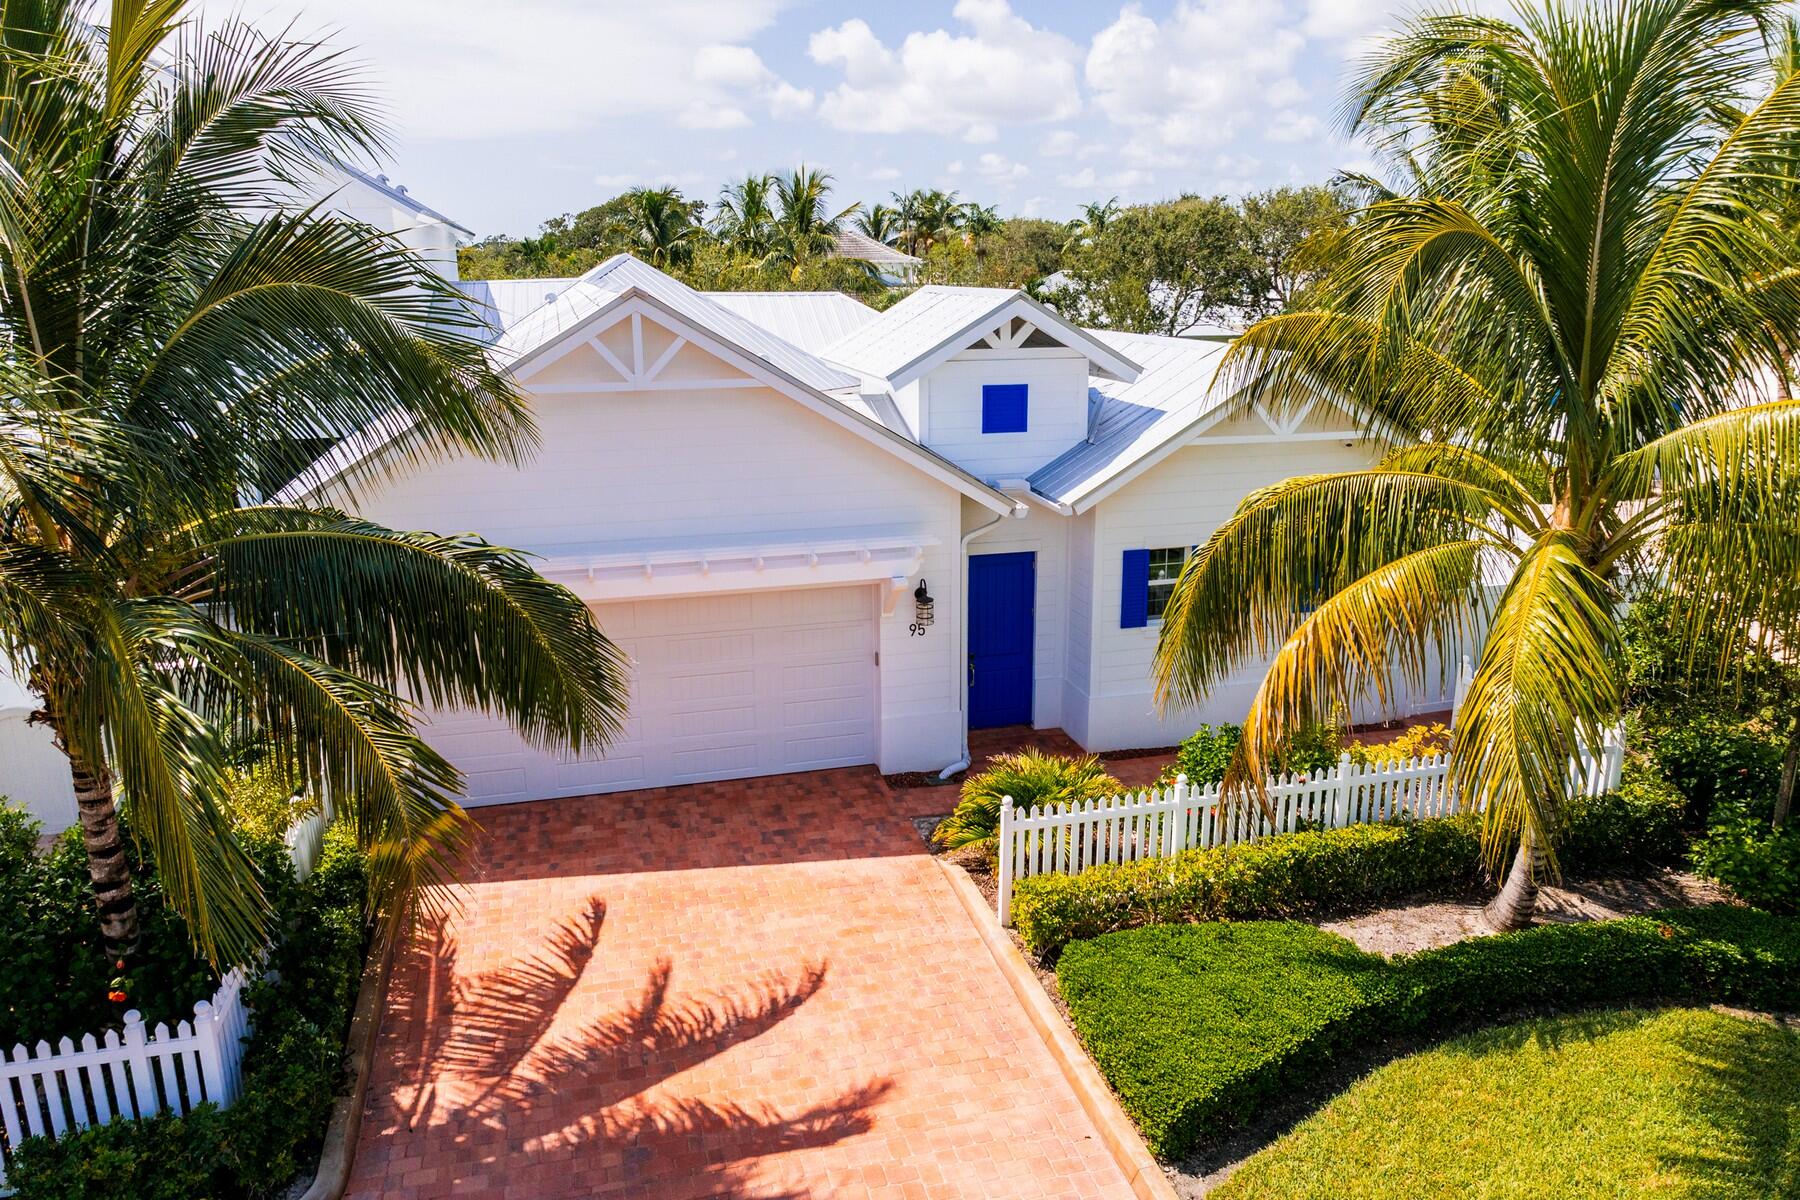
(1134, 590)
(1004, 407)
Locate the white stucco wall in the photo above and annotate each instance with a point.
(671, 469)
(1180, 502)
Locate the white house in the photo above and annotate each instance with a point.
(755, 491)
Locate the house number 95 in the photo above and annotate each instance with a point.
(917, 629)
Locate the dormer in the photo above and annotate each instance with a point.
(987, 377)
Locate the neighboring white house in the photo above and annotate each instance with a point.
(754, 490)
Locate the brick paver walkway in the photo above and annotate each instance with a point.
(757, 989)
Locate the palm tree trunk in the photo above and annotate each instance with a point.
(1790, 768)
(109, 871)
(1516, 904)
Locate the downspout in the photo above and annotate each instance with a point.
(962, 636)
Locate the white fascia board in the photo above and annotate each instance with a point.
(1112, 364)
(634, 301)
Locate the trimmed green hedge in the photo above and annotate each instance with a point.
(293, 1066)
(1319, 872)
(1197, 1026)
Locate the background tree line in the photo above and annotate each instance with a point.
(1171, 267)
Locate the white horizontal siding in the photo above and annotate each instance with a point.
(628, 471)
(1056, 416)
(1178, 502)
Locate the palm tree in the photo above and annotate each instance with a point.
(926, 218)
(880, 222)
(744, 218)
(168, 356)
(976, 222)
(663, 226)
(1092, 222)
(1563, 335)
(805, 227)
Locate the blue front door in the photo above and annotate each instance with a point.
(1002, 606)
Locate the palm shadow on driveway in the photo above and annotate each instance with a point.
(484, 1069)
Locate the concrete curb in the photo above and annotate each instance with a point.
(1115, 1128)
(346, 1115)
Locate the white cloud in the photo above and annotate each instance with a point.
(787, 101)
(883, 174)
(1290, 125)
(702, 115)
(1084, 178)
(1196, 78)
(998, 166)
(1060, 144)
(1002, 71)
(729, 66)
(456, 68)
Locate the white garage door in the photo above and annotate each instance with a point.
(723, 687)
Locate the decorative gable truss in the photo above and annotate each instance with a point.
(1018, 333)
(1314, 420)
(635, 355)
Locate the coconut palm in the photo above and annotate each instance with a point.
(879, 221)
(805, 227)
(663, 226)
(977, 221)
(927, 217)
(1095, 217)
(1563, 325)
(744, 218)
(168, 356)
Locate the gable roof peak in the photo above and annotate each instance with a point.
(938, 321)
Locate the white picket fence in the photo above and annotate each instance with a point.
(140, 1072)
(305, 839)
(1069, 838)
(135, 1073)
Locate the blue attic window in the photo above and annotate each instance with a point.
(1004, 407)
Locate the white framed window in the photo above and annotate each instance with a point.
(1165, 569)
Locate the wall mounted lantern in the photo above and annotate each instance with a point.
(922, 609)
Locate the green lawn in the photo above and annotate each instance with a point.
(1682, 1103)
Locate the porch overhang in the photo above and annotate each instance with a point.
(741, 567)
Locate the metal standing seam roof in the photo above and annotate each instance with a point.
(810, 320)
(1132, 419)
(581, 298)
(915, 327)
(936, 316)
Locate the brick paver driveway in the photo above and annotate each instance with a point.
(756, 989)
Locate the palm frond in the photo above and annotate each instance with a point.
(1546, 685)
(1396, 625)
(454, 621)
(1289, 547)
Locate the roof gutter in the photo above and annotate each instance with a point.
(1022, 489)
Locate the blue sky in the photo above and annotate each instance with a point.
(506, 113)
